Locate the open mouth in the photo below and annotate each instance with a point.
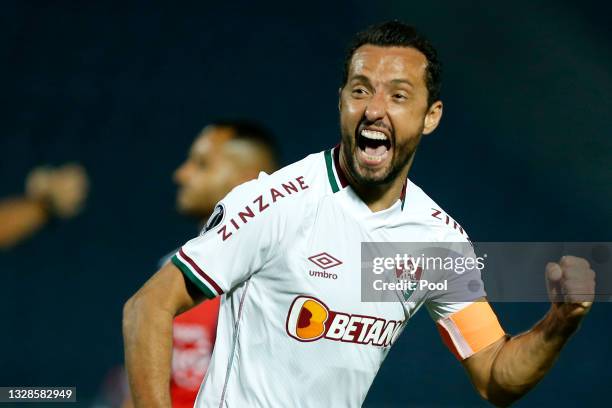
(373, 145)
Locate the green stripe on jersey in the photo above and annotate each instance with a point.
(187, 272)
(330, 171)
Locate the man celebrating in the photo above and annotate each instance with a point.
(290, 337)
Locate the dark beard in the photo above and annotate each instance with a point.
(370, 182)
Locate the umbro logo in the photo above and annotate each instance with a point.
(324, 260)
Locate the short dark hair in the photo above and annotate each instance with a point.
(254, 132)
(397, 34)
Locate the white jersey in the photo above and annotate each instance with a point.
(284, 252)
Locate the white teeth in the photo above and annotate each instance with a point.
(373, 134)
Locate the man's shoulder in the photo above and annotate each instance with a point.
(302, 178)
(310, 171)
(421, 208)
(286, 191)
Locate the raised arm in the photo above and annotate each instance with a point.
(507, 369)
(58, 192)
(147, 334)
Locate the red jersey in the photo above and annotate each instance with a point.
(193, 341)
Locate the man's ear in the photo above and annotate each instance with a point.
(433, 117)
(339, 99)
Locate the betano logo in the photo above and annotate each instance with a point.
(309, 319)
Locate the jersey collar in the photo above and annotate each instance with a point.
(337, 178)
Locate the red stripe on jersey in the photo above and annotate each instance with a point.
(403, 195)
(201, 272)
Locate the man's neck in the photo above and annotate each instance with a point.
(382, 196)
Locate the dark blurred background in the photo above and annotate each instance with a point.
(523, 154)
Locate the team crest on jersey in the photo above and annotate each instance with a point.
(412, 274)
(309, 319)
(215, 218)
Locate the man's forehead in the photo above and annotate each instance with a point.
(211, 138)
(396, 62)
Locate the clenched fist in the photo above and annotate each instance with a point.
(571, 287)
(64, 188)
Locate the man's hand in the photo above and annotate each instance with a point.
(508, 368)
(571, 289)
(63, 189)
(50, 192)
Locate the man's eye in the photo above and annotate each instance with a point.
(400, 97)
(359, 91)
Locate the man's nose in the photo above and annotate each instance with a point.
(376, 108)
(181, 173)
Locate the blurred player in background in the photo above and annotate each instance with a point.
(224, 155)
(50, 192)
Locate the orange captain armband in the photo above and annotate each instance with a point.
(470, 329)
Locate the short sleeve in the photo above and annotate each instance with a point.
(238, 239)
(465, 320)
(460, 273)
